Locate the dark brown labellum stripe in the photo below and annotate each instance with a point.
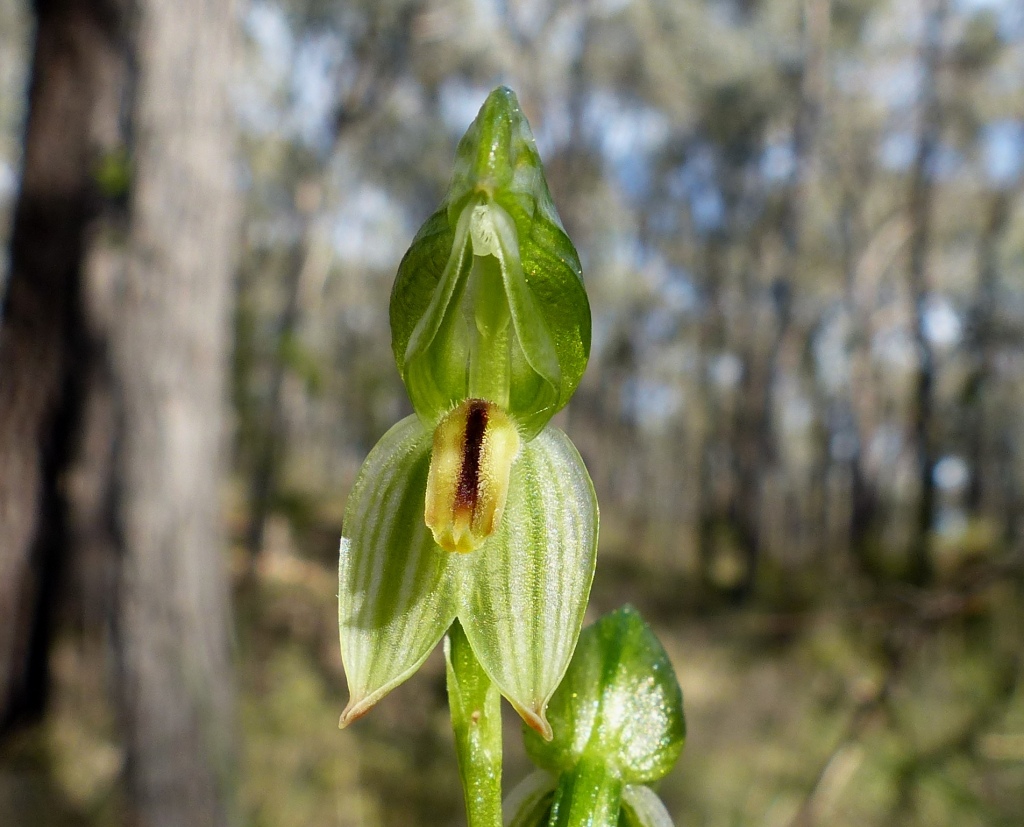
(466, 493)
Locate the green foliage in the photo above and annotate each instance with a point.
(303, 362)
(113, 173)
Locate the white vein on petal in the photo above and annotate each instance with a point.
(369, 575)
(370, 489)
(554, 538)
(395, 494)
(412, 569)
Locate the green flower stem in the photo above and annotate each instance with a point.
(489, 358)
(589, 795)
(475, 706)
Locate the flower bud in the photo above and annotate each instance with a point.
(467, 486)
(619, 708)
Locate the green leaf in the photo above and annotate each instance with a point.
(524, 592)
(619, 705)
(489, 300)
(396, 592)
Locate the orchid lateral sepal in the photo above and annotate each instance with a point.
(520, 597)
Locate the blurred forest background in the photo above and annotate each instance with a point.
(801, 224)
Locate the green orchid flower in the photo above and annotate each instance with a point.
(489, 300)
(475, 508)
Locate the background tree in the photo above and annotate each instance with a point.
(169, 355)
(43, 337)
(114, 358)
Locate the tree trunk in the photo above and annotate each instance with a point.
(920, 208)
(983, 347)
(41, 352)
(169, 356)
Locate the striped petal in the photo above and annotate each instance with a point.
(397, 589)
(523, 593)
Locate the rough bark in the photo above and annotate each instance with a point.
(169, 357)
(41, 338)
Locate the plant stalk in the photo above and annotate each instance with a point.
(587, 796)
(475, 707)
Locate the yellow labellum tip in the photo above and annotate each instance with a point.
(474, 447)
